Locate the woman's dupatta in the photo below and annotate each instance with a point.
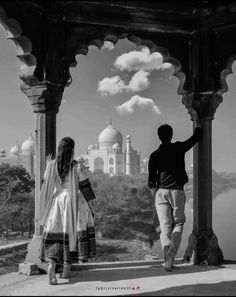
(73, 207)
(47, 191)
(50, 188)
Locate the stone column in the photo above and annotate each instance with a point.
(34, 94)
(45, 100)
(203, 242)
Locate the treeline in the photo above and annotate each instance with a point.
(222, 182)
(16, 200)
(124, 207)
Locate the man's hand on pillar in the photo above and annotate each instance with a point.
(193, 113)
(194, 117)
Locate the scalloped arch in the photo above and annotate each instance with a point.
(23, 47)
(224, 73)
(98, 42)
(167, 58)
(114, 38)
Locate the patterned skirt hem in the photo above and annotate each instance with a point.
(56, 246)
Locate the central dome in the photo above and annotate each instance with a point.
(110, 136)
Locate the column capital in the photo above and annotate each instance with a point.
(206, 103)
(34, 93)
(44, 96)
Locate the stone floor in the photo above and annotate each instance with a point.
(128, 278)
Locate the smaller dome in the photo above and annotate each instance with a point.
(115, 146)
(128, 137)
(15, 150)
(28, 145)
(2, 153)
(90, 147)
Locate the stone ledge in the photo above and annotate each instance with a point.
(118, 264)
(28, 269)
(11, 247)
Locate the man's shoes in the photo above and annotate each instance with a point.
(165, 251)
(168, 264)
(186, 259)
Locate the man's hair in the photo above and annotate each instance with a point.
(165, 132)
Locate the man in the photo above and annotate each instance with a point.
(167, 177)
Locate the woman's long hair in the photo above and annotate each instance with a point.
(64, 156)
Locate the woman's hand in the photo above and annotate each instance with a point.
(48, 158)
(82, 172)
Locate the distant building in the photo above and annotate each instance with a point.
(24, 155)
(144, 165)
(108, 155)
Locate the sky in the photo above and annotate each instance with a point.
(123, 83)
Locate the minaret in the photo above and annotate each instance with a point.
(18, 154)
(128, 155)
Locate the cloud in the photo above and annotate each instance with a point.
(111, 85)
(139, 81)
(140, 60)
(115, 85)
(108, 45)
(137, 102)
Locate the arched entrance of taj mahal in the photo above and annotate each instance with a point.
(195, 37)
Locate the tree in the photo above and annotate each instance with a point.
(16, 198)
(13, 180)
(124, 207)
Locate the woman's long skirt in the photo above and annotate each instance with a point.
(55, 239)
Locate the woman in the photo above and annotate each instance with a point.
(66, 215)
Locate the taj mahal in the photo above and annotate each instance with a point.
(108, 155)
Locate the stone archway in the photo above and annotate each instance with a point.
(111, 161)
(98, 164)
(199, 40)
(206, 104)
(23, 46)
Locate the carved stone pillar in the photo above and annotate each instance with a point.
(203, 241)
(45, 100)
(34, 94)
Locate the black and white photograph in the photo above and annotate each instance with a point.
(118, 148)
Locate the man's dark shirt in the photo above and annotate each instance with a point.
(167, 165)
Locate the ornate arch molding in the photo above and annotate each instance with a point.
(224, 73)
(89, 38)
(23, 47)
(114, 36)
